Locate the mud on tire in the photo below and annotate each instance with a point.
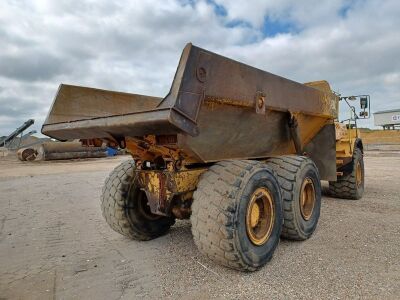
(219, 214)
(125, 208)
(292, 172)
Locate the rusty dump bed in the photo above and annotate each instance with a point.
(217, 108)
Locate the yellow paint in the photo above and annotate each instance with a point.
(330, 99)
(260, 216)
(187, 180)
(345, 145)
(165, 184)
(146, 148)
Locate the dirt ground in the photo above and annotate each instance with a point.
(380, 136)
(54, 244)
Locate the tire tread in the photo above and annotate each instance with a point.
(213, 211)
(345, 187)
(287, 167)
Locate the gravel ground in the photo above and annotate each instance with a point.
(54, 244)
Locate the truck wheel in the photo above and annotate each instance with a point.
(350, 186)
(125, 206)
(237, 214)
(301, 193)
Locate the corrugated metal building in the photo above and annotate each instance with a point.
(388, 119)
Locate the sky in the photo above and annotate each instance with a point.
(134, 46)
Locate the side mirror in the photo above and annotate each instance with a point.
(363, 103)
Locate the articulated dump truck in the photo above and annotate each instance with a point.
(239, 151)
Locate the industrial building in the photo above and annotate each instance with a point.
(388, 119)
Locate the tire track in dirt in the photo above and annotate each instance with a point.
(2, 222)
(60, 247)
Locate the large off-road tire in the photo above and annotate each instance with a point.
(125, 207)
(350, 186)
(237, 214)
(301, 194)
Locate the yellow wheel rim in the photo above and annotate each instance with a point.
(307, 199)
(358, 174)
(260, 216)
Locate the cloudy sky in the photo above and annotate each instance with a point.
(134, 46)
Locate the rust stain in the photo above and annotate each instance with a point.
(162, 186)
(212, 101)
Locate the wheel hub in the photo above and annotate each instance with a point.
(255, 215)
(307, 199)
(260, 216)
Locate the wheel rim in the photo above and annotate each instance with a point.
(260, 216)
(307, 199)
(358, 174)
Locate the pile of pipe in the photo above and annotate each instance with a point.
(61, 150)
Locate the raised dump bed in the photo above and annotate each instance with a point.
(217, 109)
(217, 142)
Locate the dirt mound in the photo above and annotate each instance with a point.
(380, 136)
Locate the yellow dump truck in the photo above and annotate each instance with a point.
(239, 151)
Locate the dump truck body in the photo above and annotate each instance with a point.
(213, 150)
(216, 109)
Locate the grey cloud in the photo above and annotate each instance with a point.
(31, 66)
(134, 46)
(18, 107)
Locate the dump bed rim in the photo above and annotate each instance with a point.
(166, 120)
